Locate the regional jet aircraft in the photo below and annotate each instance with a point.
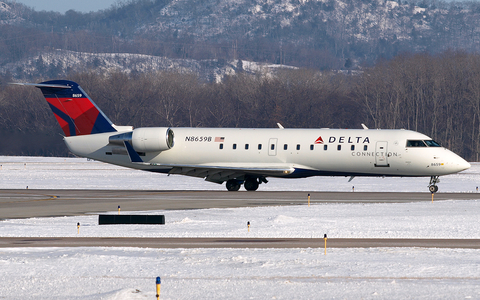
(240, 156)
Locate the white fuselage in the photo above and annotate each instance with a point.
(305, 152)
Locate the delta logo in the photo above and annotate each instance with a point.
(344, 139)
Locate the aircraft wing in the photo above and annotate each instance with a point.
(220, 173)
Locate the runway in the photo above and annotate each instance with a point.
(13, 242)
(30, 203)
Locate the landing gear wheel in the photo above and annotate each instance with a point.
(432, 186)
(233, 185)
(251, 184)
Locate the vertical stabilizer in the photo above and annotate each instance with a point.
(76, 113)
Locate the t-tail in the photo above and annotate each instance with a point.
(76, 113)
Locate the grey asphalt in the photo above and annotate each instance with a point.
(50, 203)
(30, 203)
(12, 242)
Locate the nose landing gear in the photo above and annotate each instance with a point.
(432, 186)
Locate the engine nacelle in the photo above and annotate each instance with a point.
(147, 139)
(152, 139)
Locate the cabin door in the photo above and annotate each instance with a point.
(381, 154)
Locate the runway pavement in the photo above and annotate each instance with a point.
(49, 203)
(12, 242)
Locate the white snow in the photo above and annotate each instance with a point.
(129, 273)
(63, 173)
(391, 4)
(418, 10)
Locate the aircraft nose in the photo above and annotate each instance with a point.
(464, 165)
(460, 164)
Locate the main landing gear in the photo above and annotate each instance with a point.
(233, 185)
(250, 183)
(432, 186)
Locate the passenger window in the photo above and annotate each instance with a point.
(285, 147)
(311, 147)
(246, 146)
(220, 146)
(325, 147)
(352, 148)
(415, 143)
(259, 146)
(365, 147)
(339, 147)
(298, 147)
(234, 146)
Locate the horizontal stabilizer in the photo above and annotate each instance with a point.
(41, 85)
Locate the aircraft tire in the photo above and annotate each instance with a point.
(433, 189)
(233, 185)
(251, 184)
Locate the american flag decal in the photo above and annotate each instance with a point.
(219, 139)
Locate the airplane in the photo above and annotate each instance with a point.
(245, 156)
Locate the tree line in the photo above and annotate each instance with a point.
(438, 95)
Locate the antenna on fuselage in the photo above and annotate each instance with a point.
(364, 126)
(280, 126)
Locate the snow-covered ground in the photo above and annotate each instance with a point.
(129, 273)
(80, 173)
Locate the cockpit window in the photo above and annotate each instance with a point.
(425, 143)
(432, 143)
(415, 143)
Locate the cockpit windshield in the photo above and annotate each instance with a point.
(432, 143)
(420, 143)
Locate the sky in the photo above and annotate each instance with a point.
(64, 5)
